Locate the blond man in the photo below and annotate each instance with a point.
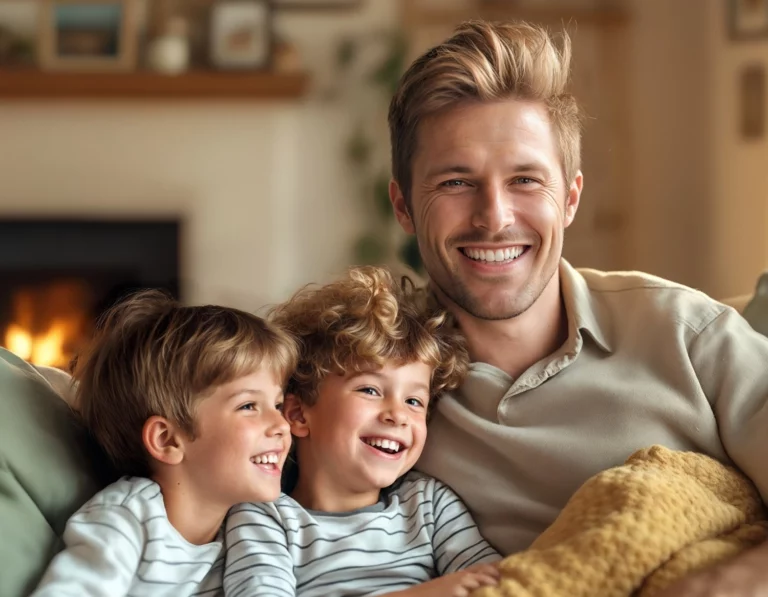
(572, 370)
(186, 402)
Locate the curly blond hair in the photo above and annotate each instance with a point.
(487, 62)
(366, 320)
(154, 356)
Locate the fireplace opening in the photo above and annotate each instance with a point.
(58, 276)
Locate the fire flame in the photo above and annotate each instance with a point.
(41, 349)
(47, 323)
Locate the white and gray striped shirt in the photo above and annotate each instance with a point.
(419, 531)
(122, 543)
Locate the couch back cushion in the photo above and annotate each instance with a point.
(48, 468)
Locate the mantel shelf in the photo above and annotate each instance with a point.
(193, 85)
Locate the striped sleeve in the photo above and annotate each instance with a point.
(456, 540)
(103, 547)
(258, 562)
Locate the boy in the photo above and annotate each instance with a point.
(186, 402)
(371, 363)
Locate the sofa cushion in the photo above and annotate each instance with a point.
(48, 468)
(756, 311)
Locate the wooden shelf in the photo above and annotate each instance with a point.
(194, 85)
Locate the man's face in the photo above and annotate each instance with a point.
(489, 205)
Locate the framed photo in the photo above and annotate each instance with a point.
(308, 5)
(748, 19)
(241, 34)
(88, 35)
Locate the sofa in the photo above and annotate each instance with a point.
(49, 466)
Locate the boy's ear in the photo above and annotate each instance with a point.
(293, 411)
(163, 440)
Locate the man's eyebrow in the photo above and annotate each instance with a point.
(453, 169)
(460, 169)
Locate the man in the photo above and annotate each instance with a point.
(573, 371)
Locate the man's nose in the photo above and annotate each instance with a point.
(493, 208)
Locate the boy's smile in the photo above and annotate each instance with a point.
(364, 431)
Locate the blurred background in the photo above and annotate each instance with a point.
(230, 151)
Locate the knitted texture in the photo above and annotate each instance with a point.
(635, 529)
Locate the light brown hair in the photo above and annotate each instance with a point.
(366, 320)
(153, 356)
(486, 62)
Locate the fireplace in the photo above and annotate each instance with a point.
(58, 276)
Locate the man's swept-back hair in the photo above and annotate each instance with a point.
(152, 356)
(366, 320)
(486, 62)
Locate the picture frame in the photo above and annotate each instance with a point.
(240, 34)
(748, 19)
(88, 35)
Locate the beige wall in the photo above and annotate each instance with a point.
(740, 176)
(263, 188)
(672, 191)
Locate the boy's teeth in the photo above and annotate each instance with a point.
(387, 444)
(266, 459)
(494, 255)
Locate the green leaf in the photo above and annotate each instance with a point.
(369, 250)
(381, 197)
(359, 147)
(409, 254)
(388, 73)
(345, 53)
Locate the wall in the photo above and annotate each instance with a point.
(263, 188)
(740, 175)
(672, 192)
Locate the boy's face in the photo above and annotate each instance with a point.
(366, 430)
(241, 442)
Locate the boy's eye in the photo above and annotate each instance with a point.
(280, 406)
(415, 402)
(248, 406)
(369, 390)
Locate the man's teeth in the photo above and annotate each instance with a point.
(387, 444)
(265, 459)
(497, 255)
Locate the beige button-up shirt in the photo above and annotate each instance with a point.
(646, 362)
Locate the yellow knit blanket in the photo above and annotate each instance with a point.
(635, 529)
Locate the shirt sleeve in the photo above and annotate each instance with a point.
(456, 540)
(258, 562)
(731, 362)
(102, 552)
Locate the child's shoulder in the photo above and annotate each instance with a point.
(139, 495)
(415, 483)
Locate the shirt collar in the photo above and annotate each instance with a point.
(584, 311)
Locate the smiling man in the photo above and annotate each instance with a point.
(572, 370)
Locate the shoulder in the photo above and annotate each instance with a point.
(140, 496)
(275, 513)
(646, 295)
(417, 487)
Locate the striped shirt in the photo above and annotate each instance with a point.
(419, 531)
(122, 543)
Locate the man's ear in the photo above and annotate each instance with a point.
(163, 440)
(400, 207)
(573, 198)
(293, 411)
